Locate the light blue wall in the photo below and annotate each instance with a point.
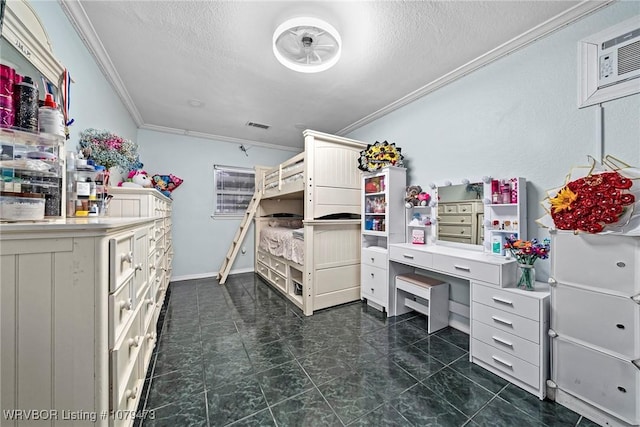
(94, 103)
(200, 242)
(515, 117)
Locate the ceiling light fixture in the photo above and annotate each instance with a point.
(307, 45)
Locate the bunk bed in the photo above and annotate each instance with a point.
(307, 226)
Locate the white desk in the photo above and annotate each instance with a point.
(508, 326)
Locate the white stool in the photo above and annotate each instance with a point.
(424, 295)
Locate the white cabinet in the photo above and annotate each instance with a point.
(595, 325)
(509, 334)
(78, 319)
(383, 223)
(506, 212)
(149, 202)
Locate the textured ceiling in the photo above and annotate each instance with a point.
(161, 54)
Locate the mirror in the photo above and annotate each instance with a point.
(25, 46)
(460, 215)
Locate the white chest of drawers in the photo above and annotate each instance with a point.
(595, 325)
(509, 334)
(78, 317)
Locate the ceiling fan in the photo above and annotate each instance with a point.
(307, 45)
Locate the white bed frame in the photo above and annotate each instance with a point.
(331, 184)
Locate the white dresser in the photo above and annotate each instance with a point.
(149, 202)
(595, 325)
(509, 334)
(78, 316)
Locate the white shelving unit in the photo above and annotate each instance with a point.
(383, 222)
(504, 219)
(424, 223)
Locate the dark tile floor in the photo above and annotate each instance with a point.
(241, 354)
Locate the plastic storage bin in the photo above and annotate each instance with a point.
(21, 206)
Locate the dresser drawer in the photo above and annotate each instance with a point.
(279, 266)
(505, 362)
(263, 269)
(509, 343)
(456, 220)
(455, 230)
(603, 320)
(121, 308)
(617, 259)
(373, 284)
(506, 300)
(121, 262)
(410, 256)
(147, 306)
(278, 280)
(124, 358)
(607, 382)
(508, 322)
(374, 257)
(127, 404)
(467, 268)
(263, 257)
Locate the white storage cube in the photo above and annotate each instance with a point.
(610, 263)
(609, 322)
(606, 382)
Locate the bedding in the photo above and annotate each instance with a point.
(298, 176)
(279, 241)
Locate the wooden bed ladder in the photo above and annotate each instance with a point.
(239, 237)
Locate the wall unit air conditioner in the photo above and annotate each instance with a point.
(609, 65)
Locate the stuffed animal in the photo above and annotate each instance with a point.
(424, 198)
(137, 179)
(412, 196)
(166, 183)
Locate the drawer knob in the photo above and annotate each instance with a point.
(502, 301)
(128, 257)
(622, 389)
(551, 281)
(126, 304)
(499, 320)
(151, 336)
(149, 301)
(502, 362)
(372, 259)
(620, 326)
(152, 239)
(372, 290)
(407, 256)
(503, 342)
(138, 267)
(372, 275)
(131, 394)
(463, 268)
(621, 264)
(133, 342)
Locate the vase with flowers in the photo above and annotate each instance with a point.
(526, 252)
(115, 153)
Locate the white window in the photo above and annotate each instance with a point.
(234, 189)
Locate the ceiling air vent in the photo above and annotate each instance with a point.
(258, 125)
(610, 64)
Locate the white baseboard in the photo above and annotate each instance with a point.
(210, 274)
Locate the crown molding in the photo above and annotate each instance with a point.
(562, 19)
(213, 137)
(80, 21)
